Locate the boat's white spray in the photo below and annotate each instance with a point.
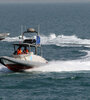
(62, 40)
(59, 40)
(64, 66)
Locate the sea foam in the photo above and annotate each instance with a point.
(63, 66)
(58, 40)
(59, 66)
(62, 40)
(82, 64)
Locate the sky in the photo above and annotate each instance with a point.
(42, 1)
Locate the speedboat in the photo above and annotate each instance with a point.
(24, 61)
(3, 35)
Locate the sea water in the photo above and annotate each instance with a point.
(65, 40)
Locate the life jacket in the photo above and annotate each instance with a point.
(25, 51)
(19, 51)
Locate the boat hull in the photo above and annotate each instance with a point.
(18, 65)
(3, 35)
(1, 38)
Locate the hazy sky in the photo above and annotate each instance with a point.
(41, 1)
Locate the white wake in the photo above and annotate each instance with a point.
(62, 40)
(59, 40)
(58, 66)
(12, 39)
(82, 64)
(63, 66)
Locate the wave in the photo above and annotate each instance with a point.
(12, 39)
(62, 40)
(86, 57)
(3, 69)
(59, 66)
(58, 40)
(82, 64)
(63, 66)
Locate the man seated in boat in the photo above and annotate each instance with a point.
(25, 51)
(19, 51)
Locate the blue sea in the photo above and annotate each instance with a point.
(65, 40)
